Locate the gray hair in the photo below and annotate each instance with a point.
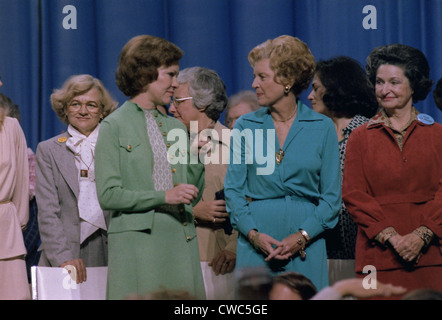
(207, 90)
(247, 96)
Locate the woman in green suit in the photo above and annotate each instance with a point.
(152, 238)
(282, 211)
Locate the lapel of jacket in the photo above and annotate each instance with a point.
(64, 158)
(304, 114)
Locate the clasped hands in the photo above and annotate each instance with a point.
(408, 247)
(274, 249)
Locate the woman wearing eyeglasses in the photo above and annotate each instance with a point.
(72, 225)
(152, 237)
(201, 98)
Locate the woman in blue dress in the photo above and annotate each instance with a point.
(283, 184)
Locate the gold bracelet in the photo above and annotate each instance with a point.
(301, 251)
(305, 235)
(425, 234)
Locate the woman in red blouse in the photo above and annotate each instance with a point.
(392, 183)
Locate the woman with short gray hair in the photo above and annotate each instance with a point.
(206, 90)
(201, 97)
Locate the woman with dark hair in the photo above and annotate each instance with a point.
(152, 237)
(392, 175)
(341, 91)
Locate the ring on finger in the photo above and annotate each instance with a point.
(214, 220)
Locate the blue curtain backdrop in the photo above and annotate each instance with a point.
(37, 52)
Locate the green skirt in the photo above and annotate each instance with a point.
(164, 257)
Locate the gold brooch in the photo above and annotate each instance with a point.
(279, 156)
(62, 139)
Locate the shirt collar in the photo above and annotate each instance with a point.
(304, 113)
(381, 118)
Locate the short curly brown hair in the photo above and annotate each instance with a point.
(75, 86)
(290, 59)
(139, 61)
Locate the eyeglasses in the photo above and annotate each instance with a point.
(177, 101)
(92, 107)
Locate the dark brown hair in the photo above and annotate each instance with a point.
(139, 62)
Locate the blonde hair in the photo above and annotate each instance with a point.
(78, 85)
(290, 59)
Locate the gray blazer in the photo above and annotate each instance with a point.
(56, 192)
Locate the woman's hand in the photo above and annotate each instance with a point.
(211, 211)
(265, 243)
(181, 194)
(224, 262)
(291, 246)
(408, 246)
(79, 273)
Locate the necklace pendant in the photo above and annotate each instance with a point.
(84, 173)
(279, 156)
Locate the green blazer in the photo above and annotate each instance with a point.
(149, 247)
(124, 164)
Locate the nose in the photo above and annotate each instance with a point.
(255, 83)
(310, 96)
(174, 82)
(384, 88)
(83, 109)
(172, 109)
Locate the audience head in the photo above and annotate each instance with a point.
(253, 283)
(292, 286)
(423, 294)
(239, 104)
(140, 60)
(340, 89)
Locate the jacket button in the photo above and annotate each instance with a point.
(188, 238)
